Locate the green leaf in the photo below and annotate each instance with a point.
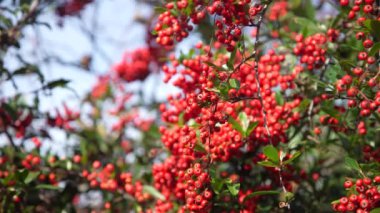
(308, 27)
(279, 99)
(244, 121)
(328, 107)
(377, 210)
(234, 188)
(160, 9)
(375, 49)
(289, 196)
(267, 164)
(309, 9)
(47, 186)
(21, 174)
(219, 68)
(258, 193)
(252, 126)
(235, 125)
(30, 177)
(199, 148)
(234, 83)
(294, 156)
(333, 72)
(373, 26)
(271, 153)
(352, 163)
(181, 119)
(153, 191)
(217, 185)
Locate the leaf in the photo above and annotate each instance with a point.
(160, 9)
(181, 119)
(279, 99)
(217, 184)
(377, 210)
(333, 72)
(252, 126)
(234, 188)
(47, 186)
(219, 68)
(375, 49)
(335, 201)
(294, 156)
(309, 9)
(153, 191)
(244, 121)
(373, 26)
(30, 177)
(56, 83)
(199, 148)
(289, 196)
(235, 125)
(234, 83)
(21, 174)
(258, 193)
(272, 153)
(267, 164)
(308, 27)
(352, 163)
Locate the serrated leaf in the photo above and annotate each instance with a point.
(271, 153)
(153, 191)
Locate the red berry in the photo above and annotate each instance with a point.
(368, 43)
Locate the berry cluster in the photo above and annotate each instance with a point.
(311, 50)
(365, 6)
(364, 196)
(134, 66)
(231, 17)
